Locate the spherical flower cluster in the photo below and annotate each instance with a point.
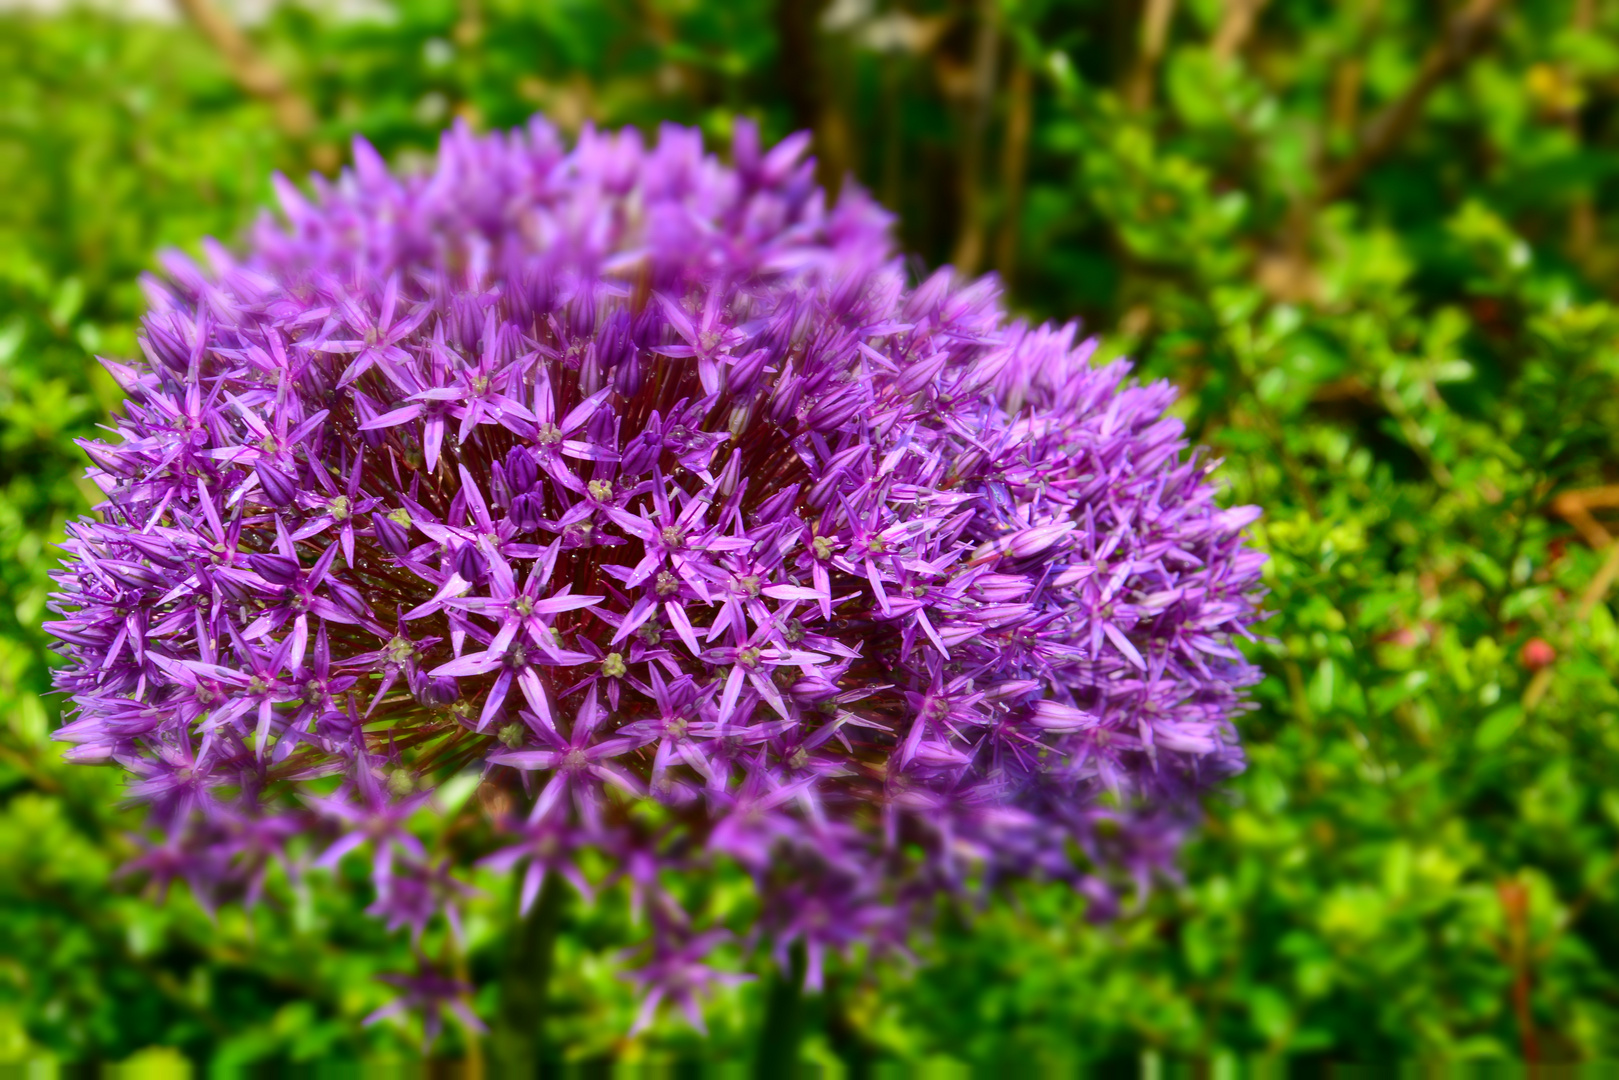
(632, 479)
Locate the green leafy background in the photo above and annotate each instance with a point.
(1374, 243)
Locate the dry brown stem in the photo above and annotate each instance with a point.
(1155, 19)
(1014, 167)
(1575, 508)
(1236, 26)
(804, 78)
(969, 251)
(1464, 34)
(252, 72)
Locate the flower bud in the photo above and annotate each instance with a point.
(521, 472)
(277, 486)
(394, 538)
(527, 512)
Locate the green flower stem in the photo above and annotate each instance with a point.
(518, 1042)
(783, 1028)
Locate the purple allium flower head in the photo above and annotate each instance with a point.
(622, 475)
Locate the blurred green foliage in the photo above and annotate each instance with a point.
(1376, 245)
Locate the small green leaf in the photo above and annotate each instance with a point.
(1498, 727)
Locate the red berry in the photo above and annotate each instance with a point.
(1537, 653)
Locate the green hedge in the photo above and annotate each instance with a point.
(1375, 244)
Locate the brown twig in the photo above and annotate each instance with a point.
(30, 768)
(1014, 167)
(1236, 26)
(969, 251)
(1349, 76)
(252, 72)
(1464, 34)
(1514, 897)
(1575, 508)
(1347, 79)
(802, 67)
(1155, 18)
(1601, 582)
